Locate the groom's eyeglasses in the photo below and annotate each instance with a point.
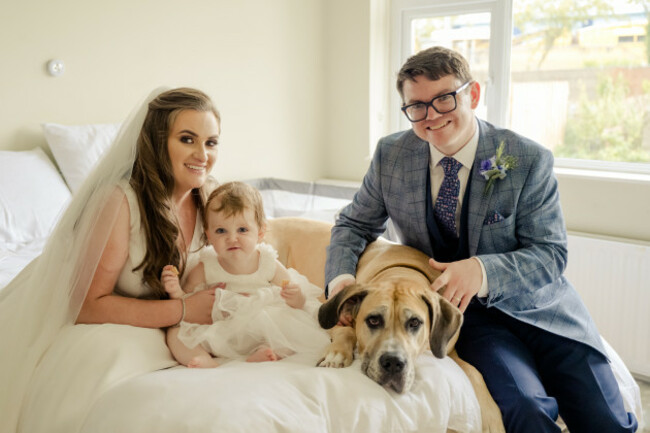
(446, 103)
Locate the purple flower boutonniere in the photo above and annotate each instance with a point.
(496, 167)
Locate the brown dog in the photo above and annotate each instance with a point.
(395, 317)
(301, 244)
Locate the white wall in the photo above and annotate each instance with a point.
(261, 61)
(291, 78)
(347, 75)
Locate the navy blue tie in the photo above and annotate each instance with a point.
(445, 208)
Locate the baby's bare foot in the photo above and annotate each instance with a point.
(262, 354)
(203, 362)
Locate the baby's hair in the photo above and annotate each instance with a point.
(235, 198)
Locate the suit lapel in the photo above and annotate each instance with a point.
(416, 175)
(478, 201)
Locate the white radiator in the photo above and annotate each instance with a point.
(613, 278)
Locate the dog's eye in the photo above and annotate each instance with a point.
(413, 324)
(374, 322)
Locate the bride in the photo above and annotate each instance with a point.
(137, 212)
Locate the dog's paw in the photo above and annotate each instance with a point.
(335, 360)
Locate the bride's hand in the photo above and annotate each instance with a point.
(198, 307)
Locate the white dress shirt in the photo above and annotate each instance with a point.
(466, 157)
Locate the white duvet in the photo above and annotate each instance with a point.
(115, 378)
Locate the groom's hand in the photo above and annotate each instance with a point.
(340, 286)
(462, 280)
(344, 319)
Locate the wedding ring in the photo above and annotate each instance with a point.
(456, 298)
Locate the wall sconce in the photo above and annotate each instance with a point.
(55, 67)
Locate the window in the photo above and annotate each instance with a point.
(574, 76)
(467, 33)
(474, 28)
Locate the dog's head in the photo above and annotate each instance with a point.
(394, 320)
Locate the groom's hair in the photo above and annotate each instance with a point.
(433, 63)
(233, 198)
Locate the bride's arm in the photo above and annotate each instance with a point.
(103, 306)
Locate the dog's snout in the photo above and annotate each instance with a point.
(392, 363)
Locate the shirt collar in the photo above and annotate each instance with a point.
(465, 155)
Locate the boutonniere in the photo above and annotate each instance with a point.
(496, 167)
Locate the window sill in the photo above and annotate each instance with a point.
(619, 176)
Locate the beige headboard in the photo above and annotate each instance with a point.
(301, 245)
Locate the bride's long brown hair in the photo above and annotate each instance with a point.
(153, 182)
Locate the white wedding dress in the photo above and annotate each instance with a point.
(244, 323)
(74, 370)
(51, 371)
(129, 282)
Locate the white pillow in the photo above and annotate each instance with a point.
(32, 195)
(77, 149)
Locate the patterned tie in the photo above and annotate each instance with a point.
(445, 208)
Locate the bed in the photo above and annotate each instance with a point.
(136, 385)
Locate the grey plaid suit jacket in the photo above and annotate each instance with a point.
(524, 252)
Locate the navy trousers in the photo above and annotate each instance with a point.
(534, 375)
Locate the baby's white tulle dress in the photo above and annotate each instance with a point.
(250, 313)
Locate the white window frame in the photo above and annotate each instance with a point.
(402, 12)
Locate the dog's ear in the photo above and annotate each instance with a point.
(347, 300)
(445, 322)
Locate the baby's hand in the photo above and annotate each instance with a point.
(292, 294)
(171, 283)
(221, 286)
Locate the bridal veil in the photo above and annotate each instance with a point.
(47, 295)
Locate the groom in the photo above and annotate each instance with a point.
(483, 203)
